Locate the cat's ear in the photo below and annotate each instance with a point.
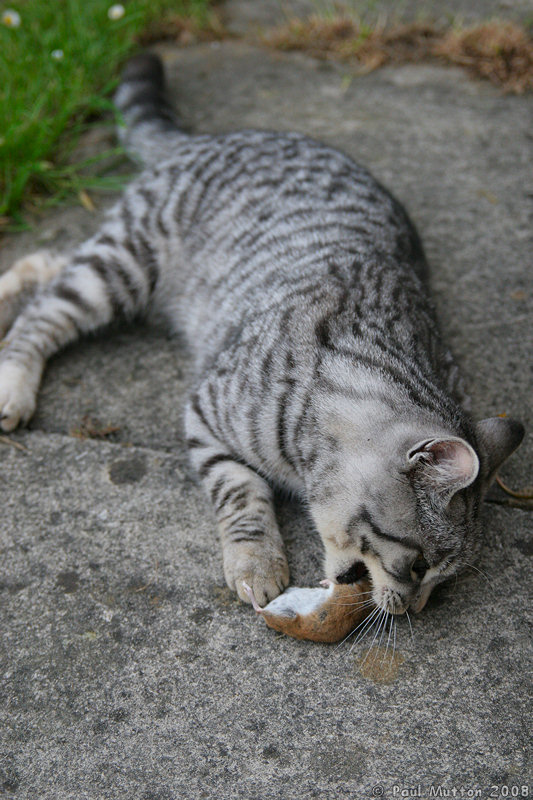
(498, 437)
(444, 465)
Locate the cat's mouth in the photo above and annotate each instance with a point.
(355, 573)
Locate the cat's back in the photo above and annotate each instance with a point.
(239, 190)
(255, 211)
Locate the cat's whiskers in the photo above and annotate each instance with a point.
(383, 616)
(392, 623)
(368, 602)
(394, 643)
(359, 595)
(483, 574)
(347, 637)
(375, 621)
(378, 626)
(409, 621)
(383, 629)
(365, 626)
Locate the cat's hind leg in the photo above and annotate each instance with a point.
(110, 275)
(243, 505)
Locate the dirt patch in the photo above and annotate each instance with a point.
(90, 428)
(501, 52)
(380, 665)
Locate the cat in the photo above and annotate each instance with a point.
(301, 286)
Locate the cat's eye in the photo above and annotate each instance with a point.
(420, 566)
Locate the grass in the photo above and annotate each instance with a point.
(57, 70)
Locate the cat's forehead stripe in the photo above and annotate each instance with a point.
(406, 541)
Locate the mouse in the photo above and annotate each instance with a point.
(326, 613)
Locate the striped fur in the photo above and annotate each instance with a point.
(300, 284)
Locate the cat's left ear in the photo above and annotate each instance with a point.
(498, 437)
(444, 465)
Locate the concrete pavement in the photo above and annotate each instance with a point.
(129, 669)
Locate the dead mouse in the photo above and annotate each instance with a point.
(322, 614)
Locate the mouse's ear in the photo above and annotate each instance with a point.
(498, 437)
(444, 465)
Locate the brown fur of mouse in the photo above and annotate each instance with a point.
(331, 621)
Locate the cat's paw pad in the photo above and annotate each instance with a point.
(264, 569)
(17, 396)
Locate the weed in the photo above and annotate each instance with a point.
(502, 52)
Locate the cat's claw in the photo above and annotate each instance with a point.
(266, 574)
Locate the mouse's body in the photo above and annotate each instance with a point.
(324, 614)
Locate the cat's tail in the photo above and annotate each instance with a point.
(150, 127)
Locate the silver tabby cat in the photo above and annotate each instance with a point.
(300, 284)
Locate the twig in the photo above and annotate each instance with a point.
(18, 445)
(522, 494)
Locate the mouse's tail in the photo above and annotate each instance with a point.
(150, 128)
(251, 595)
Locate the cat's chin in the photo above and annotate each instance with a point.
(421, 598)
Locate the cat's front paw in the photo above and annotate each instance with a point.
(263, 568)
(29, 271)
(17, 396)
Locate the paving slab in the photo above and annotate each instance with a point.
(129, 669)
(243, 16)
(132, 671)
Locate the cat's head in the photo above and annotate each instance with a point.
(403, 505)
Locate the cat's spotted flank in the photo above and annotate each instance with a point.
(300, 284)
